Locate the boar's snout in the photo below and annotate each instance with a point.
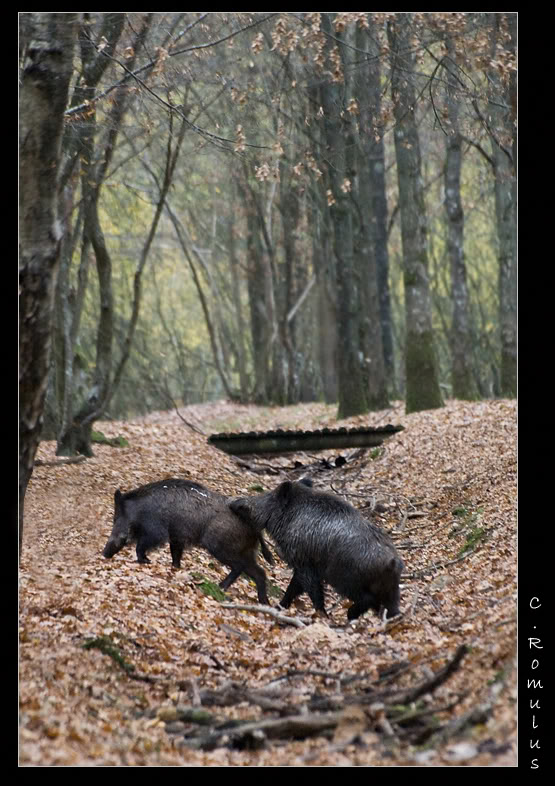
(113, 546)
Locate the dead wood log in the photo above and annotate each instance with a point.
(296, 726)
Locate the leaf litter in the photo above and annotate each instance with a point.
(115, 658)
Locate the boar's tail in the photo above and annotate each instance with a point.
(266, 553)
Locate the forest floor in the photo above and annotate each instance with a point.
(160, 648)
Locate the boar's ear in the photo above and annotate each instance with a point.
(284, 490)
(396, 565)
(118, 500)
(306, 482)
(241, 507)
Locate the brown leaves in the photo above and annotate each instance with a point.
(456, 466)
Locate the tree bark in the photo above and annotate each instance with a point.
(44, 95)
(339, 139)
(261, 296)
(421, 366)
(378, 213)
(238, 308)
(290, 215)
(502, 123)
(462, 377)
(371, 324)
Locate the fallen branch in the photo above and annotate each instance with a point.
(261, 469)
(377, 710)
(479, 714)
(297, 622)
(56, 462)
(234, 693)
(180, 416)
(413, 715)
(438, 679)
(291, 726)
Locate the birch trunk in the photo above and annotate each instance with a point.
(44, 93)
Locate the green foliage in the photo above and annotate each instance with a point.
(107, 646)
(474, 536)
(212, 589)
(468, 525)
(115, 442)
(273, 590)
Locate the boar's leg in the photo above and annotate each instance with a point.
(364, 602)
(147, 538)
(315, 589)
(233, 576)
(254, 571)
(176, 550)
(305, 581)
(294, 589)
(266, 553)
(142, 558)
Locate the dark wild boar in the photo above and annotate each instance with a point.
(324, 539)
(187, 514)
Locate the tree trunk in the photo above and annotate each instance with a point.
(503, 146)
(339, 139)
(323, 264)
(260, 287)
(44, 95)
(290, 214)
(371, 323)
(421, 367)
(238, 308)
(371, 326)
(462, 377)
(378, 213)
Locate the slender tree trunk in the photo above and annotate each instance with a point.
(378, 213)
(44, 95)
(338, 135)
(462, 377)
(323, 263)
(503, 147)
(371, 324)
(261, 297)
(421, 367)
(238, 308)
(290, 214)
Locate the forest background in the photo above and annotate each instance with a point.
(270, 208)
